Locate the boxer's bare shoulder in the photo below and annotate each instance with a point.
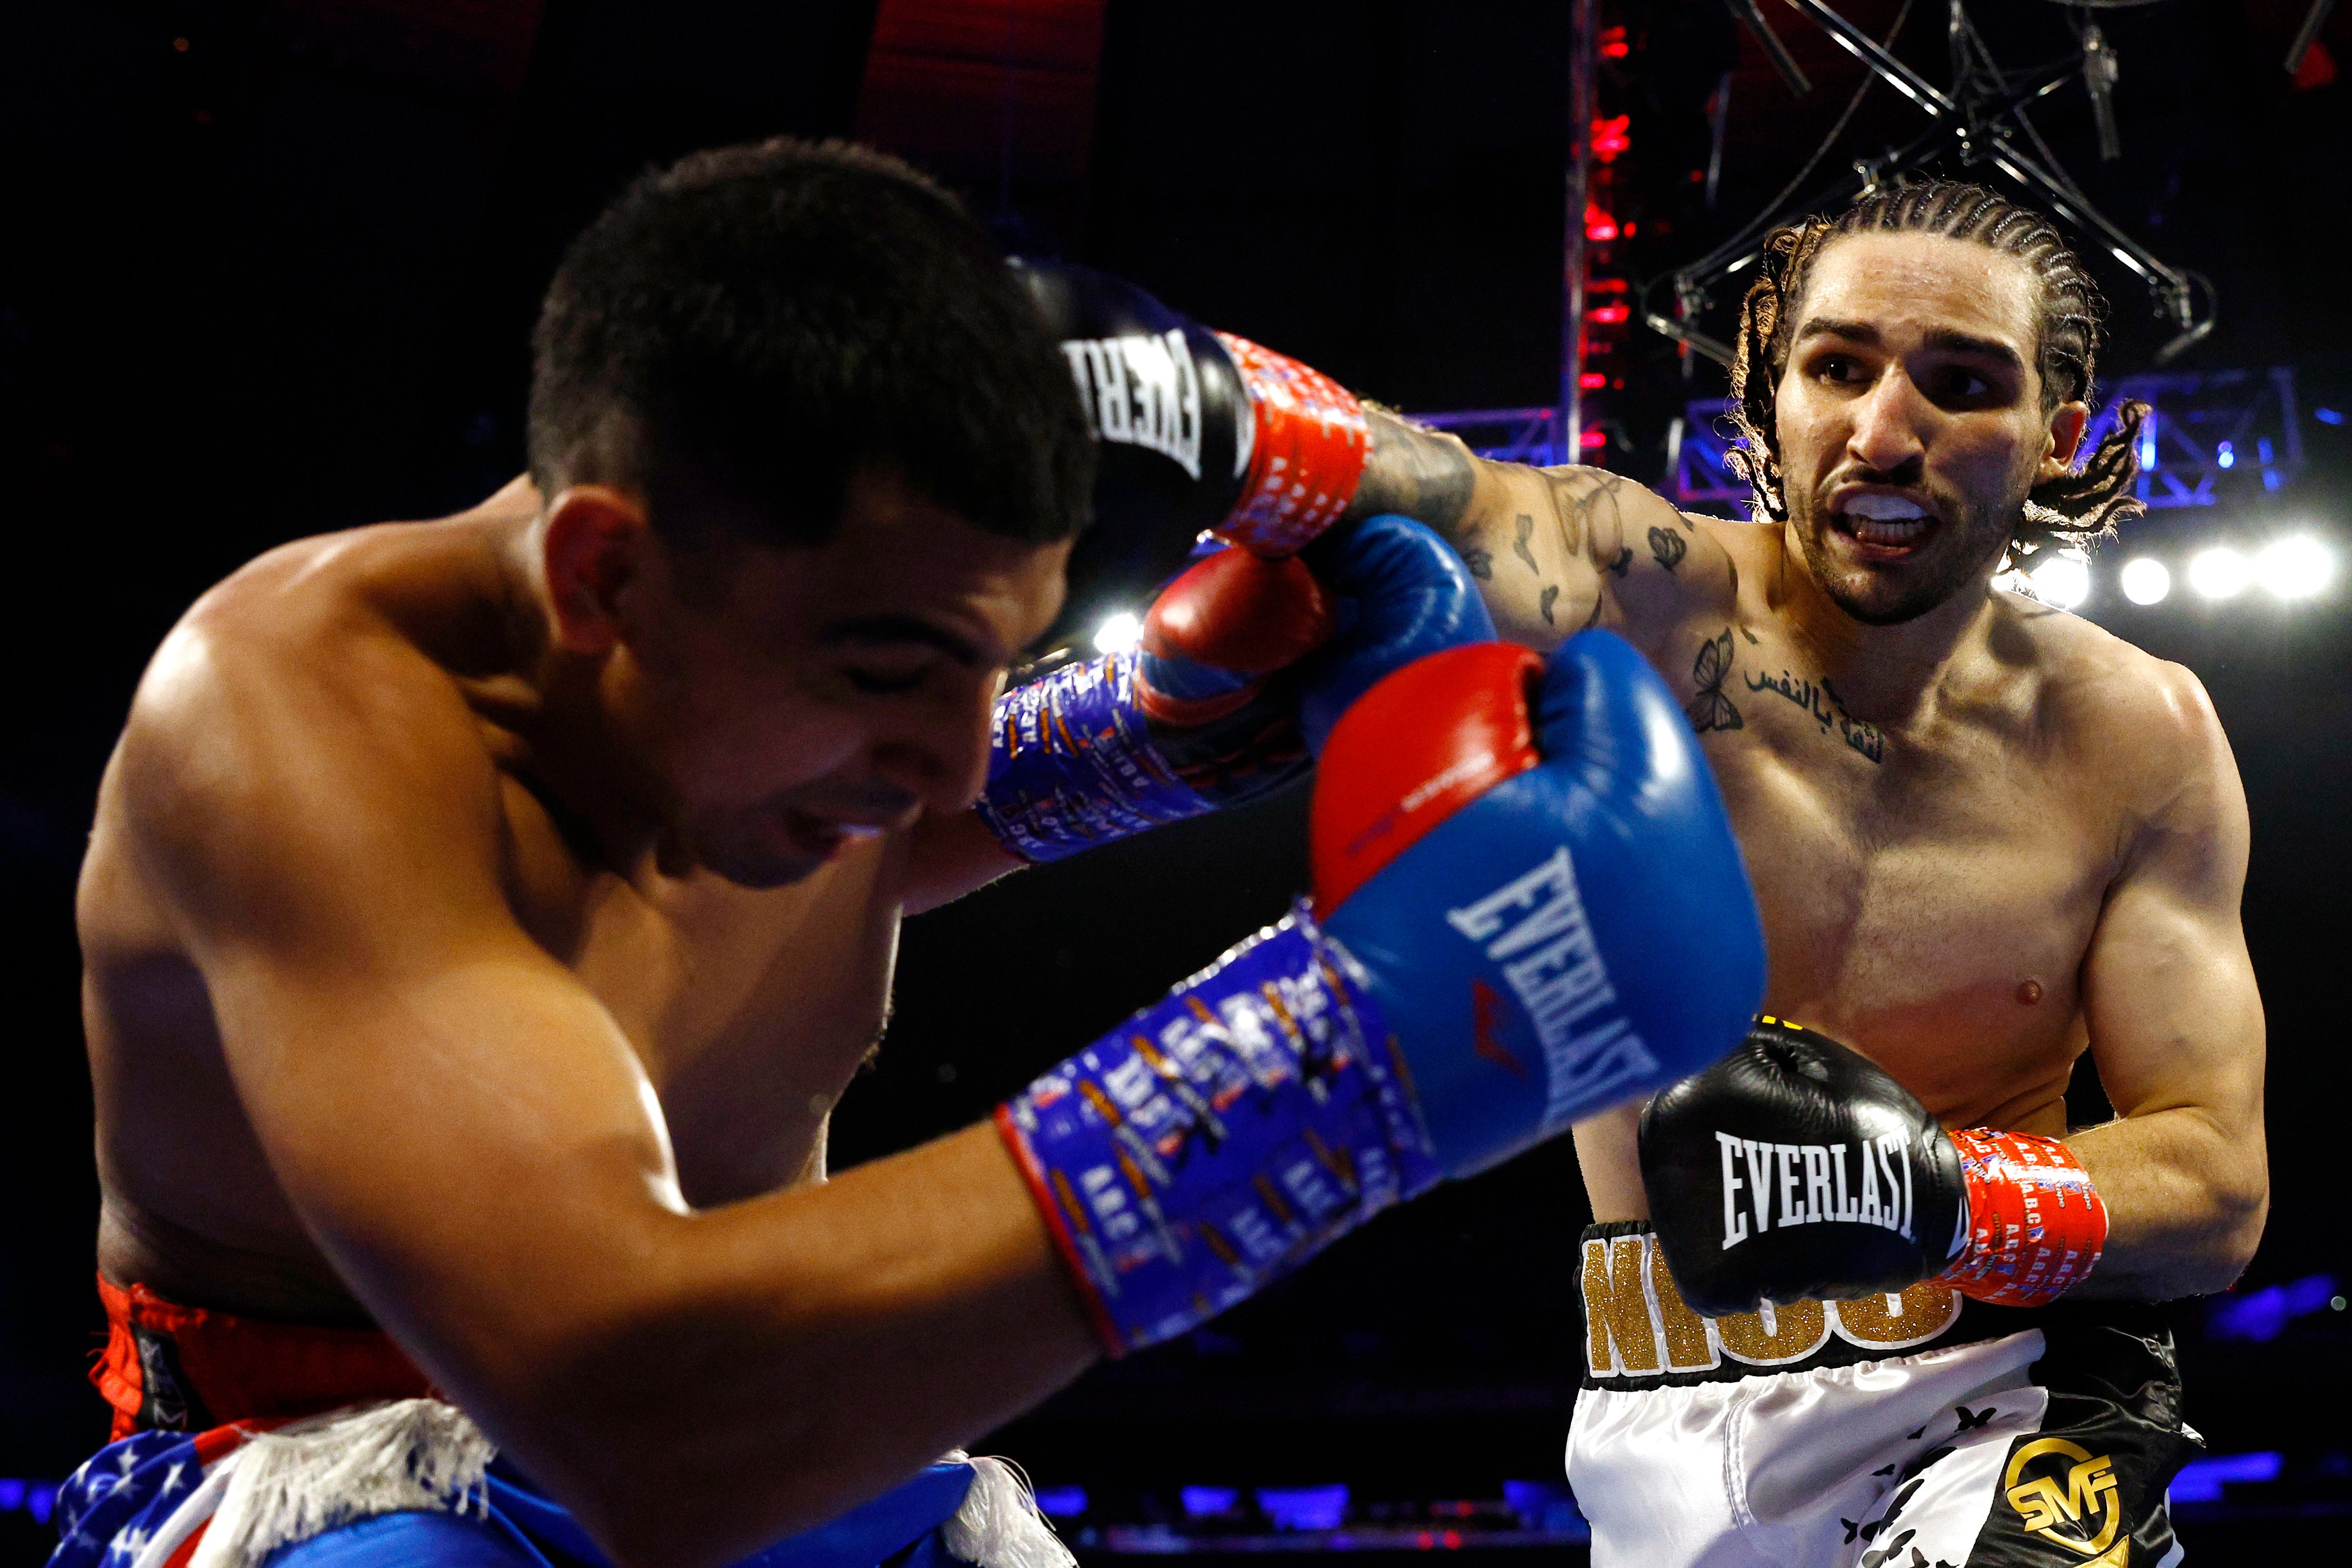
(362, 710)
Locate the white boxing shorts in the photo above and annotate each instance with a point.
(1918, 1430)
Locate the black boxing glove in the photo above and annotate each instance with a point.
(1795, 1168)
(1196, 431)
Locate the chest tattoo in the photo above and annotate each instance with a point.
(1709, 708)
(1819, 699)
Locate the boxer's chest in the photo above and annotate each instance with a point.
(749, 1009)
(1927, 896)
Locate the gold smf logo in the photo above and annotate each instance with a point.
(2062, 1507)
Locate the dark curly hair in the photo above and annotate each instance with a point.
(2086, 502)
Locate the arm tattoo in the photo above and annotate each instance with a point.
(1624, 563)
(1550, 597)
(1709, 708)
(1585, 502)
(1481, 564)
(1523, 529)
(1668, 547)
(1426, 476)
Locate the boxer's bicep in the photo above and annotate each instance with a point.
(2177, 1030)
(2169, 988)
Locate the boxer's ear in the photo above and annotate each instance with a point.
(2067, 421)
(589, 550)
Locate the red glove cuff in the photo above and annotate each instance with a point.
(2036, 1225)
(1307, 451)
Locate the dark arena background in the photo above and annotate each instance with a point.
(267, 268)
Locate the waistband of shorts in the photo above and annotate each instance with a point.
(1639, 1333)
(170, 1368)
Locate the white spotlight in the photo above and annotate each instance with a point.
(2295, 567)
(2220, 574)
(1118, 633)
(2146, 580)
(2062, 581)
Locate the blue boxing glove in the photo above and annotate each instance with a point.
(1528, 908)
(1530, 862)
(1244, 664)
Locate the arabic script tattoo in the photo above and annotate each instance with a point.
(1819, 699)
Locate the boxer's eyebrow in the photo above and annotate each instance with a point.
(876, 630)
(1943, 338)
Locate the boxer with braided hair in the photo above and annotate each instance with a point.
(2077, 507)
(1987, 838)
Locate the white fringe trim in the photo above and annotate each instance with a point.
(407, 1456)
(412, 1456)
(999, 1525)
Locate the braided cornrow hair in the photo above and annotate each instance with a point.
(2075, 509)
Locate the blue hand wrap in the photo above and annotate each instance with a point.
(1071, 764)
(1220, 1137)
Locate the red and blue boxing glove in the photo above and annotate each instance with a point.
(1528, 907)
(1245, 663)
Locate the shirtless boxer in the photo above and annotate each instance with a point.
(1985, 837)
(482, 916)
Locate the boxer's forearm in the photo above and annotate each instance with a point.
(778, 1361)
(951, 856)
(1554, 551)
(1427, 475)
(2185, 1199)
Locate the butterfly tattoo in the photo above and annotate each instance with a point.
(1668, 547)
(1709, 708)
